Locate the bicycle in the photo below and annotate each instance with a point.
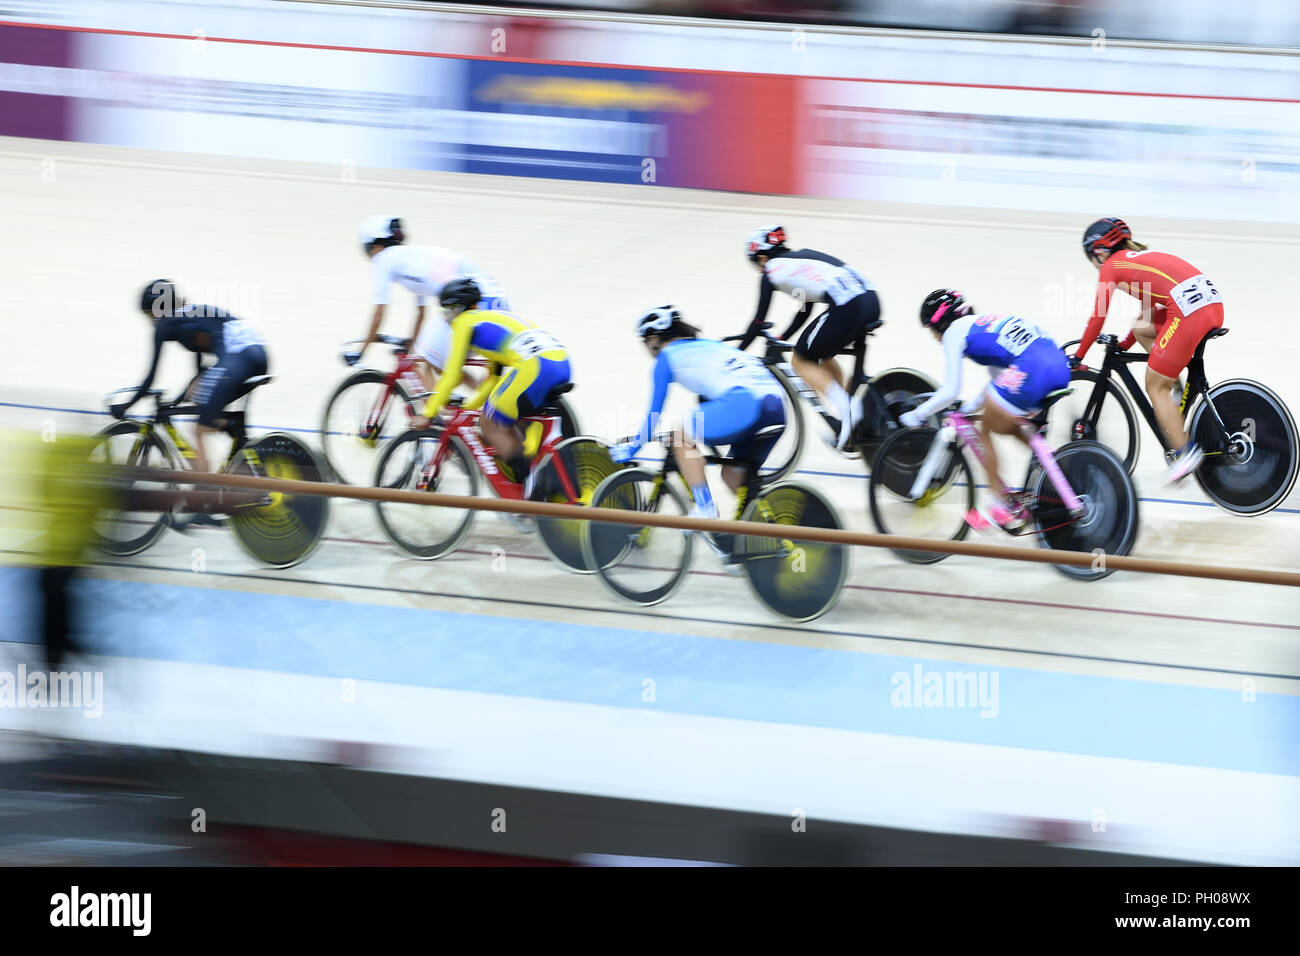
(1247, 471)
(357, 414)
(1078, 498)
(799, 580)
(887, 396)
(450, 456)
(277, 529)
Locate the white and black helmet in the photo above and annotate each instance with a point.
(657, 320)
(764, 239)
(386, 229)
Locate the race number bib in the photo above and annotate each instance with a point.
(531, 343)
(847, 284)
(751, 375)
(239, 336)
(1194, 293)
(1018, 334)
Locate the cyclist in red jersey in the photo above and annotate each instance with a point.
(1180, 306)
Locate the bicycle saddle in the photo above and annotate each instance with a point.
(553, 396)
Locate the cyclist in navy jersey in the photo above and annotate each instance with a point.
(204, 330)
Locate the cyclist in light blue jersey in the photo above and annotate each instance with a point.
(739, 396)
(1026, 366)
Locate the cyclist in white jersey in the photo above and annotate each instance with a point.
(811, 277)
(422, 270)
(739, 397)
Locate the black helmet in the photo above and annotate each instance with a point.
(1105, 235)
(159, 298)
(461, 291)
(942, 306)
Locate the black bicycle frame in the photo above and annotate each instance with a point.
(1118, 361)
(774, 357)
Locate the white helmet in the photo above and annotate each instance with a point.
(659, 319)
(375, 228)
(764, 239)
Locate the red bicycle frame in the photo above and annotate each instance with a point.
(464, 425)
(405, 370)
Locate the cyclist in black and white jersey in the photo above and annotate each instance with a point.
(204, 330)
(812, 277)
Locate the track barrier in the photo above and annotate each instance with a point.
(718, 525)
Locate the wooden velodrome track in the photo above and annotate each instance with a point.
(277, 243)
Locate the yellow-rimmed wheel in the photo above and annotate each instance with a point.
(800, 580)
(570, 475)
(283, 529)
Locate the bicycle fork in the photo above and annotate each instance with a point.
(955, 427)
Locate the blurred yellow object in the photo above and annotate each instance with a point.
(51, 495)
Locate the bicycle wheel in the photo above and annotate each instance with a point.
(358, 417)
(896, 389)
(800, 580)
(568, 418)
(425, 531)
(287, 529)
(570, 475)
(123, 533)
(638, 563)
(1113, 422)
(1109, 523)
(1252, 469)
(940, 511)
(785, 454)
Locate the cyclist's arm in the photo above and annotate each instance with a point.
(419, 321)
(954, 350)
(162, 333)
(485, 389)
(765, 290)
(461, 331)
(376, 319)
(380, 283)
(1104, 289)
(799, 319)
(663, 377)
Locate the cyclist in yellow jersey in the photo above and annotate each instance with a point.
(527, 365)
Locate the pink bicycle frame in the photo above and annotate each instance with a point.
(966, 432)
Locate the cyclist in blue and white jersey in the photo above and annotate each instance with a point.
(739, 396)
(1025, 365)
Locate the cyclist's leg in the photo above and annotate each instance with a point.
(814, 353)
(722, 421)
(1173, 350)
(522, 389)
(755, 450)
(1016, 394)
(220, 385)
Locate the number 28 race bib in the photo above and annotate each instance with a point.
(1194, 293)
(531, 343)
